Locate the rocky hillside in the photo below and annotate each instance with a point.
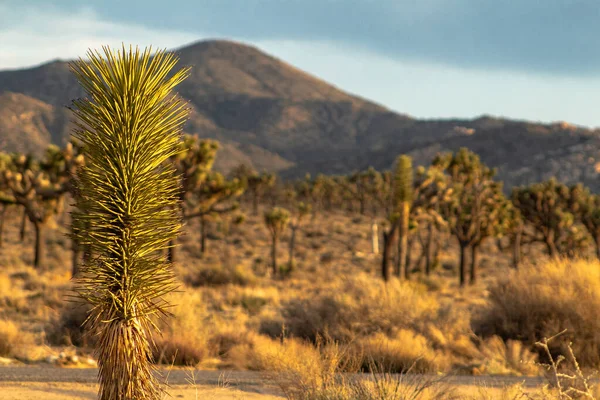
(271, 115)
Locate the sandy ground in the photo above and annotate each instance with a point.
(50, 383)
(72, 391)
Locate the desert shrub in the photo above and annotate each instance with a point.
(68, 328)
(538, 301)
(358, 306)
(306, 372)
(183, 341)
(507, 358)
(221, 343)
(180, 348)
(12, 339)
(9, 336)
(405, 351)
(303, 371)
(215, 275)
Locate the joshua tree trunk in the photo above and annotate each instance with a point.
(274, 255)
(550, 244)
(429, 248)
(517, 248)
(292, 244)
(474, 263)
(462, 272)
(2, 215)
(408, 260)
(374, 238)
(388, 241)
(597, 243)
(401, 266)
(39, 245)
(23, 228)
(202, 234)
(255, 202)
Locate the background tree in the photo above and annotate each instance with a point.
(193, 163)
(276, 220)
(586, 206)
(256, 183)
(546, 207)
(39, 187)
(494, 221)
(129, 127)
(6, 199)
(430, 190)
(216, 196)
(301, 211)
(403, 198)
(472, 188)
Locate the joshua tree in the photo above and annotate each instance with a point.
(467, 210)
(39, 187)
(586, 206)
(215, 196)
(495, 220)
(5, 198)
(431, 189)
(193, 164)
(129, 126)
(256, 184)
(276, 221)
(547, 207)
(403, 198)
(302, 209)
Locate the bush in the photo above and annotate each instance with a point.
(406, 351)
(216, 275)
(12, 339)
(358, 306)
(68, 328)
(537, 302)
(180, 349)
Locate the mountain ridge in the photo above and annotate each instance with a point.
(274, 116)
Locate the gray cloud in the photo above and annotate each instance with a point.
(542, 36)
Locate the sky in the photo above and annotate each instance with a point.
(537, 60)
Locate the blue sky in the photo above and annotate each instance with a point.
(528, 59)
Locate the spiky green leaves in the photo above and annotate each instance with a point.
(129, 126)
(403, 181)
(277, 220)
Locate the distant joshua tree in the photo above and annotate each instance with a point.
(403, 198)
(302, 210)
(475, 208)
(129, 126)
(276, 220)
(547, 207)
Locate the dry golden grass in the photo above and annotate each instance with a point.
(406, 350)
(538, 301)
(230, 314)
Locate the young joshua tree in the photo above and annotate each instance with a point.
(276, 221)
(403, 198)
(129, 126)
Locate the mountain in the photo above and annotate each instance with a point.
(273, 116)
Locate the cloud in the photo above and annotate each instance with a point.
(426, 90)
(34, 35)
(544, 36)
(417, 83)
